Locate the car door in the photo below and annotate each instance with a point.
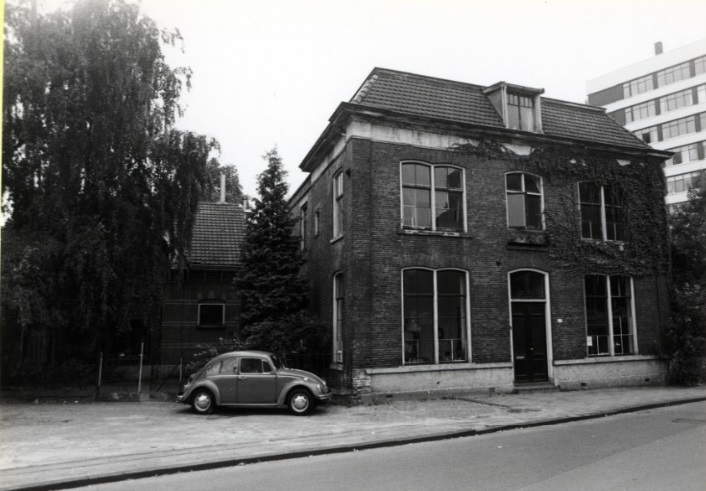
(257, 381)
(226, 379)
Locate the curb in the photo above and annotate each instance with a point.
(393, 442)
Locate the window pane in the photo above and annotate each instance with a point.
(418, 281)
(527, 285)
(531, 183)
(454, 179)
(614, 213)
(513, 182)
(527, 117)
(591, 227)
(451, 282)
(534, 212)
(597, 324)
(448, 210)
(211, 315)
(441, 177)
(516, 210)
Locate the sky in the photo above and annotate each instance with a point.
(270, 73)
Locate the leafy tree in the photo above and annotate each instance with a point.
(272, 294)
(102, 190)
(687, 333)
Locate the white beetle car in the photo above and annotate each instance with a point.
(252, 379)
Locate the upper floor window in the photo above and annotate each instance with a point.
(673, 74)
(648, 135)
(601, 212)
(520, 112)
(640, 111)
(609, 315)
(432, 197)
(677, 100)
(678, 127)
(435, 322)
(524, 200)
(302, 226)
(700, 65)
(638, 86)
(684, 154)
(317, 222)
(338, 205)
(212, 314)
(683, 182)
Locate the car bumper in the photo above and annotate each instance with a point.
(325, 397)
(183, 398)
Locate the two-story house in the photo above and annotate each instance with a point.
(467, 237)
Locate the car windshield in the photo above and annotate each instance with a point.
(277, 363)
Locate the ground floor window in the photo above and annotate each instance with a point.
(338, 318)
(435, 324)
(610, 315)
(211, 314)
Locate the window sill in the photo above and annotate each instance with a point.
(336, 239)
(606, 359)
(436, 368)
(526, 238)
(433, 233)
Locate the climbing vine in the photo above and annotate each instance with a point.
(646, 247)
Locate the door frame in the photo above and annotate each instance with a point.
(547, 319)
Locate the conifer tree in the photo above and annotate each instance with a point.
(272, 294)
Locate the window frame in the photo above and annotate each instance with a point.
(338, 317)
(603, 215)
(525, 193)
(525, 120)
(432, 196)
(302, 225)
(435, 315)
(211, 304)
(609, 300)
(337, 195)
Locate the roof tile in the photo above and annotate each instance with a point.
(218, 234)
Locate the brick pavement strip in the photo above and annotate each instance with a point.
(54, 444)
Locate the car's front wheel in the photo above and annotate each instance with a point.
(300, 402)
(202, 402)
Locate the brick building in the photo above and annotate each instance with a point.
(200, 305)
(459, 236)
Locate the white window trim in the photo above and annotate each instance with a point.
(547, 316)
(302, 225)
(436, 313)
(337, 351)
(524, 192)
(633, 323)
(604, 224)
(337, 197)
(223, 314)
(433, 193)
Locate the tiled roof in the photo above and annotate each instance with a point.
(218, 234)
(466, 103)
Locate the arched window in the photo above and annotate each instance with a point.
(435, 323)
(601, 212)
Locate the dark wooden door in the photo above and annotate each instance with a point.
(529, 341)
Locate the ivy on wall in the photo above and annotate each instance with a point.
(646, 248)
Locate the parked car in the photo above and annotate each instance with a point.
(252, 379)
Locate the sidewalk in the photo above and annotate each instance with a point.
(49, 446)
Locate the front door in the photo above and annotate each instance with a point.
(529, 341)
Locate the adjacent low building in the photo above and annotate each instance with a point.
(467, 237)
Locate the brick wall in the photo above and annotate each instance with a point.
(374, 250)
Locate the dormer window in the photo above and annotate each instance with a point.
(518, 106)
(520, 112)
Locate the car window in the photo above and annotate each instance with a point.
(229, 365)
(266, 367)
(214, 369)
(250, 365)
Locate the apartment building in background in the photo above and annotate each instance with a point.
(662, 100)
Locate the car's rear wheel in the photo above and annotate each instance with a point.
(300, 402)
(202, 402)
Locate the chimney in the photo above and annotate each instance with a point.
(658, 48)
(223, 188)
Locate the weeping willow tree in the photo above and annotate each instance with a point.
(99, 186)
